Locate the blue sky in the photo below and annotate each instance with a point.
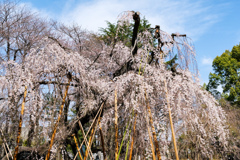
(213, 25)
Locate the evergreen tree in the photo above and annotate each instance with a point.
(227, 74)
(124, 34)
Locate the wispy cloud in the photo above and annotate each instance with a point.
(42, 13)
(207, 61)
(184, 16)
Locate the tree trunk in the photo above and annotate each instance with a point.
(66, 111)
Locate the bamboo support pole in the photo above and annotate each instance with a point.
(127, 127)
(122, 141)
(170, 118)
(134, 128)
(85, 137)
(75, 140)
(126, 155)
(150, 138)
(92, 136)
(102, 139)
(5, 141)
(129, 138)
(59, 116)
(20, 124)
(85, 141)
(78, 144)
(5, 150)
(153, 129)
(90, 141)
(116, 126)
(170, 114)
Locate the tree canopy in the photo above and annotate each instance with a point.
(226, 75)
(108, 81)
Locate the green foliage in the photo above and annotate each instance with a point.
(124, 34)
(171, 62)
(24, 143)
(80, 135)
(227, 74)
(181, 138)
(204, 87)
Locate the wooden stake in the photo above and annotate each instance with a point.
(153, 129)
(59, 116)
(20, 124)
(75, 140)
(170, 118)
(116, 125)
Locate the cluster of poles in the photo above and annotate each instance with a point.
(97, 122)
(93, 127)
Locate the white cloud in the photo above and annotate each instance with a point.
(42, 13)
(185, 16)
(207, 61)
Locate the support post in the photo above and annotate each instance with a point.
(59, 116)
(20, 124)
